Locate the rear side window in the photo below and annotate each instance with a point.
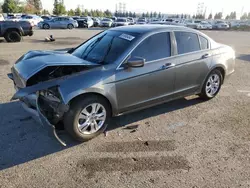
(186, 42)
(154, 47)
(204, 43)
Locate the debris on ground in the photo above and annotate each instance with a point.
(105, 133)
(139, 139)
(50, 39)
(146, 143)
(147, 123)
(133, 131)
(131, 127)
(134, 159)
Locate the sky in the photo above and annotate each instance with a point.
(175, 6)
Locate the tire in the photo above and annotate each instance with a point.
(72, 121)
(207, 93)
(12, 36)
(46, 26)
(70, 26)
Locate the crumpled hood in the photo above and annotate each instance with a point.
(34, 61)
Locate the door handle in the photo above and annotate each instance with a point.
(205, 56)
(167, 66)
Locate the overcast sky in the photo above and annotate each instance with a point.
(174, 6)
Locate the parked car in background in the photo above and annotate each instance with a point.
(131, 21)
(106, 22)
(13, 31)
(204, 25)
(89, 21)
(192, 23)
(220, 25)
(75, 17)
(58, 23)
(46, 17)
(121, 22)
(33, 19)
(142, 21)
(119, 71)
(96, 22)
(114, 18)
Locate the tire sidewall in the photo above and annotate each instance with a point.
(204, 93)
(71, 118)
(13, 36)
(46, 26)
(70, 26)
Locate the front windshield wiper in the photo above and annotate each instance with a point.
(92, 45)
(108, 50)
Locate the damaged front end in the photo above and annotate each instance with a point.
(37, 77)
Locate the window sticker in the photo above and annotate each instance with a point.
(127, 37)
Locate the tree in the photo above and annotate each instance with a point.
(210, 16)
(143, 14)
(59, 8)
(36, 4)
(159, 15)
(116, 13)
(244, 16)
(227, 17)
(71, 12)
(108, 13)
(151, 14)
(134, 15)
(126, 14)
(10, 6)
(155, 14)
(78, 11)
(130, 14)
(147, 15)
(46, 12)
(218, 15)
(193, 16)
(248, 16)
(94, 14)
(86, 12)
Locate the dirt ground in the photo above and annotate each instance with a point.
(185, 143)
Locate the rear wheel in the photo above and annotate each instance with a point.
(12, 36)
(212, 85)
(70, 26)
(46, 26)
(87, 117)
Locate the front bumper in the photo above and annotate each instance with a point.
(30, 104)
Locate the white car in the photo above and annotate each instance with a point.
(89, 21)
(33, 19)
(220, 25)
(121, 22)
(192, 23)
(204, 25)
(106, 22)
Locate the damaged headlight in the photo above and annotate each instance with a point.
(51, 94)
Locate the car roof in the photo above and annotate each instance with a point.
(143, 29)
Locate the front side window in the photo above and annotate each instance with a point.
(155, 47)
(186, 42)
(204, 43)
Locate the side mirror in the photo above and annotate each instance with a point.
(135, 62)
(71, 50)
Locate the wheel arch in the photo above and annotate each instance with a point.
(111, 104)
(13, 29)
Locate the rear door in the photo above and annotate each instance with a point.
(193, 60)
(154, 82)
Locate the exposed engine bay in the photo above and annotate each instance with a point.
(53, 72)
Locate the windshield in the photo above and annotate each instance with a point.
(106, 47)
(121, 20)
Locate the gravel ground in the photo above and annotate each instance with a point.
(185, 143)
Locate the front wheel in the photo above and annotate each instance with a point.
(212, 85)
(87, 117)
(12, 36)
(70, 26)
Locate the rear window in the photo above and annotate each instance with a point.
(186, 42)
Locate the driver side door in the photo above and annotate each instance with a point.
(154, 82)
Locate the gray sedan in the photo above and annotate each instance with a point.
(58, 23)
(118, 71)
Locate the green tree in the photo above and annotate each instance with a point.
(210, 16)
(143, 14)
(147, 15)
(71, 12)
(10, 6)
(159, 15)
(218, 15)
(94, 14)
(85, 12)
(155, 14)
(78, 11)
(248, 16)
(130, 14)
(108, 13)
(244, 16)
(151, 14)
(46, 12)
(227, 17)
(37, 4)
(134, 15)
(59, 8)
